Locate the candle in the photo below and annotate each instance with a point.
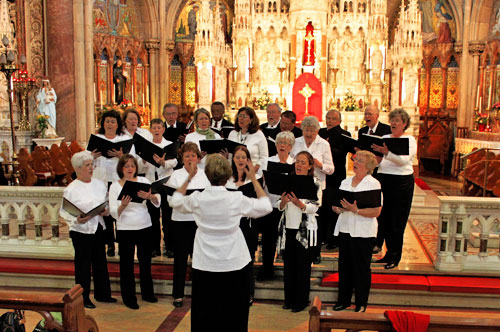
(143, 99)
(133, 94)
(147, 94)
(336, 52)
(480, 103)
(489, 97)
(113, 95)
(477, 97)
(95, 99)
(367, 51)
(100, 97)
(281, 55)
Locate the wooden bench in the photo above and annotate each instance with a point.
(70, 305)
(324, 321)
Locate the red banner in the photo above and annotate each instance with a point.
(307, 85)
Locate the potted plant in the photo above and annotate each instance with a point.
(481, 121)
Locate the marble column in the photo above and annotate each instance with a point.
(152, 46)
(465, 116)
(60, 27)
(90, 92)
(162, 65)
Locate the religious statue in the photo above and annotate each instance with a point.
(46, 100)
(308, 54)
(410, 79)
(358, 58)
(241, 57)
(119, 79)
(204, 85)
(444, 35)
(377, 62)
(192, 23)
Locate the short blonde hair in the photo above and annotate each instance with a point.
(370, 160)
(217, 169)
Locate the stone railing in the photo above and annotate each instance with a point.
(468, 237)
(30, 222)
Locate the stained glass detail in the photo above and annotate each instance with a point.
(139, 85)
(191, 85)
(436, 91)
(453, 62)
(175, 84)
(422, 91)
(452, 88)
(103, 81)
(436, 63)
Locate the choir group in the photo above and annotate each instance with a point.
(212, 187)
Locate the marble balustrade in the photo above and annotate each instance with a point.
(466, 221)
(30, 222)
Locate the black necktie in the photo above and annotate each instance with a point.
(370, 132)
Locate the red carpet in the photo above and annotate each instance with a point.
(421, 183)
(445, 284)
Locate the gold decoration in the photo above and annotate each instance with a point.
(307, 92)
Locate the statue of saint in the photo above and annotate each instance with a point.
(377, 62)
(119, 79)
(410, 78)
(308, 54)
(46, 100)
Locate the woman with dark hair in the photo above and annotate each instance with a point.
(246, 131)
(133, 228)
(132, 124)
(221, 273)
(356, 228)
(395, 174)
(299, 226)
(241, 156)
(183, 224)
(105, 168)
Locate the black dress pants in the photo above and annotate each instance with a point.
(127, 241)
(90, 259)
(398, 196)
(183, 247)
(297, 271)
(268, 226)
(167, 224)
(109, 232)
(220, 300)
(355, 255)
(154, 213)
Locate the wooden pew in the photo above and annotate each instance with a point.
(324, 321)
(70, 305)
(57, 164)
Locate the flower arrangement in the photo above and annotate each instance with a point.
(263, 100)
(349, 103)
(126, 103)
(42, 123)
(496, 106)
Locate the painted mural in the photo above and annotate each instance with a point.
(495, 21)
(116, 17)
(186, 23)
(438, 23)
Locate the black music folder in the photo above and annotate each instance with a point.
(349, 143)
(103, 145)
(364, 199)
(75, 211)
(216, 145)
(131, 188)
(146, 149)
(271, 147)
(279, 167)
(223, 131)
(170, 191)
(302, 186)
(248, 189)
(171, 150)
(159, 186)
(397, 145)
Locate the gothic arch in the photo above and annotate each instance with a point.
(480, 19)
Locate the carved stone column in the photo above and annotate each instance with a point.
(465, 115)
(153, 46)
(90, 93)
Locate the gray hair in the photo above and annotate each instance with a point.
(310, 121)
(402, 113)
(273, 104)
(373, 107)
(285, 136)
(197, 113)
(336, 112)
(80, 158)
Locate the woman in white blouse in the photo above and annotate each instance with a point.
(395, 174)
(131, 125)
(268, 225)
(105, 168)
(220, 276)
(87, 233)
(246, 131)
(133, 228)
(183, 224)
(356, 229)
(203, 131)
(300, 227)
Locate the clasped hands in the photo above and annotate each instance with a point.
(346, 206)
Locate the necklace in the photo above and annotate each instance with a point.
(242, 137)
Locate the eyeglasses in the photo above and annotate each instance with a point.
(243, 116)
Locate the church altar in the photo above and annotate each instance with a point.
(465, 145)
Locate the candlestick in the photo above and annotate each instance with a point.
(100, 97)
(143, 100)
(147, 94)
(480, 103)
(95, 99)
(489, 97)
(477, 97)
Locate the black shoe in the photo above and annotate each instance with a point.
(178, 303)
(152, 299)
(316, 260)
(286, 307)
(331, 246)
(340, 307)
(133, 306)
(88, 304)
(250, 301)
(361, 308)
(106, 300)
(390, 265)
(383, 260)
(111, 251)
(299, 309)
